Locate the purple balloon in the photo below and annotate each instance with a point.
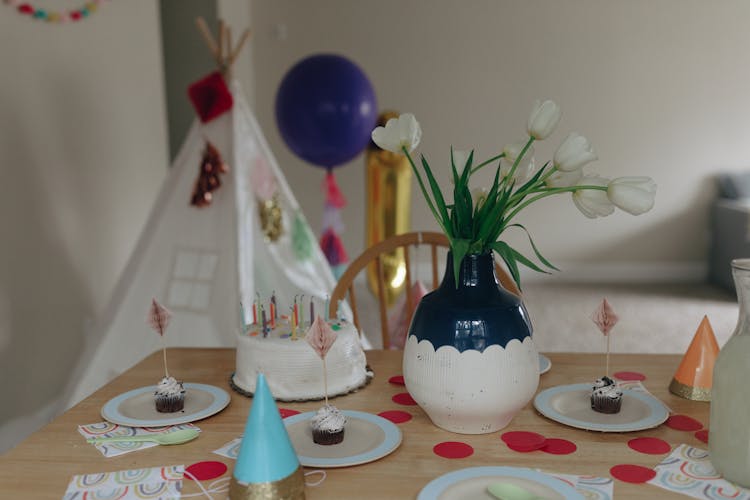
(326, 110)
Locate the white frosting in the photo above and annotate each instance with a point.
(608, 391)
(169, 386)
(328, 419)
(293, 370)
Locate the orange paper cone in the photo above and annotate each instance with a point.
(694, 376)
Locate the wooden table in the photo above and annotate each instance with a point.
(44, 463)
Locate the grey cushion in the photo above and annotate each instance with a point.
(734, 185)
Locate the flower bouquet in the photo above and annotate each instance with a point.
(476, 219)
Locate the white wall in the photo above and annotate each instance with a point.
(83, 150)
(660, 88)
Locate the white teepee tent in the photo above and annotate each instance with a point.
(201, 263)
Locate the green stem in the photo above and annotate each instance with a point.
(487, 162)
(520, 157)
(425, 194)
(550, 192)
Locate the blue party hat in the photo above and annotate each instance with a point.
(266, 453)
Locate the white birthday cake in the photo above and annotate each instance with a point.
(293, 370)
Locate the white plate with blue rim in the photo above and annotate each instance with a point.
(367, 438)
(474, 481)
(544, 364)
(571, 405)
(136, 408)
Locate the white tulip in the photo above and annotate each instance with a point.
(593, 203)
(574, 152)
(543, 119)
(564, 179)
(398, 133)
(478, 197)
(635, 195)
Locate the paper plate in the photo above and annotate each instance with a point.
(571, 405)
(136, 408)
(544, 364)
(473, 482)
(367, 437)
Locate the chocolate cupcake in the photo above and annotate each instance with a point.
(606, 397)
(169, 396)
(328, 426)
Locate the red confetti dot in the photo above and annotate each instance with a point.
(203, 471)
(556, 446)
(650, 445)
(523, 441)
(397, 380)
(75, 15)
(404, 398)
(453, 449)
(25, 8)
(287, 412)
(630, 376)
(702, 435)
(683, 423)
(396, 416)
(632, 473)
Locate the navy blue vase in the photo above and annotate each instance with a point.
(469, 360)
(476, 314)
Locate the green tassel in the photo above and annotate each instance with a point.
(302, 245)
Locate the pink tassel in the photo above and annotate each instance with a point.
(334, 196)
(333, 248)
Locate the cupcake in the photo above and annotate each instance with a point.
(606, 397)
(169, 396)
(328, 426)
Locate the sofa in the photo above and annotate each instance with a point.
(729, 226)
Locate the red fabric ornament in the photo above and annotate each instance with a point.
(334, 196)
(210, 97)
(333, 248)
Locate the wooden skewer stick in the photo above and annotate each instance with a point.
(208, 38)
(243, 39)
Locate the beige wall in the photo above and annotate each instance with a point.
(660, 88)
(83, 150)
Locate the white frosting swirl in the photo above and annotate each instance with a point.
(328, 419)
(169, 386)
(609, 391)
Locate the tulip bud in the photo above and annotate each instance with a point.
(574, 152)
(543, 119)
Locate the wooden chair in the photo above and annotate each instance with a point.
(345, 287)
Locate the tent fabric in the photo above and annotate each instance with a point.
(201, 263)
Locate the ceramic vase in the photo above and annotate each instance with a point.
(469, 360)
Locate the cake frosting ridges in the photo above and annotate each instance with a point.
(293, 370)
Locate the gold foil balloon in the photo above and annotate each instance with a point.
(387, 211)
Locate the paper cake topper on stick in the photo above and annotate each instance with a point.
(694, 376)
(321, 337)
(605, 318)
(267, 465)
(158, 318)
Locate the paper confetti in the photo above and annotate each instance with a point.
(107, 429)
(155, 482)
(687, 470)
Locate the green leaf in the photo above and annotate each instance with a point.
(459, 249)
(439, 200)
(506, 254)
(536, 250)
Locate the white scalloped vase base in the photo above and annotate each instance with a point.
(471, 392)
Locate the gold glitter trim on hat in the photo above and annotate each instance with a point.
(688, 392)
(291, 487)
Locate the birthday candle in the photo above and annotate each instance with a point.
(302, 310)
(295, 312)
(312, 311)
(328, 304)
(273, 314)
(255, 315)
(273, 304)
(263, 316)
(294, 324)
